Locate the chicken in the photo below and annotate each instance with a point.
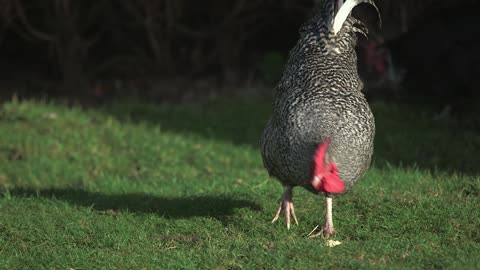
(321, 132)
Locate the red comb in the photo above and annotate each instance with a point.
(325, 175)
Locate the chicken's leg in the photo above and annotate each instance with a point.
(327, 228)
(287, 204)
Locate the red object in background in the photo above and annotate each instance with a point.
(374, 57)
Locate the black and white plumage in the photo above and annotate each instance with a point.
(319, 98)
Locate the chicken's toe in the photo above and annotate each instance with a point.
(286, 204)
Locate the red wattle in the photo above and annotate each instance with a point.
(329, 182)
(319, 158)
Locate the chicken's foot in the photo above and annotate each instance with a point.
(286, 204)
(327, 228)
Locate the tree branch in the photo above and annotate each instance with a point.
(30, 29)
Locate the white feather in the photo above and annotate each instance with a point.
(345, 10)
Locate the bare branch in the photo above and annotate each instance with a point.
(26, 23)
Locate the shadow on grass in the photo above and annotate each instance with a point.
(217, 207)
(408, 135)
(238, 121)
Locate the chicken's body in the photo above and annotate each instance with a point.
(319, 98)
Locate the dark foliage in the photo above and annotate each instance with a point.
(78, 43)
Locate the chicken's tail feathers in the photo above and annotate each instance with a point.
(331, 16)
(344, 11)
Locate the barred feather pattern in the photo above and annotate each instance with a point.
(318, 98)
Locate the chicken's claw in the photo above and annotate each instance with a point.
(286, 204)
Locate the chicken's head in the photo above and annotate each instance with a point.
(325, 174)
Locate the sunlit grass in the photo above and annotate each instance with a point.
(135, 185)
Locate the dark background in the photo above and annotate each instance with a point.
(169, 50)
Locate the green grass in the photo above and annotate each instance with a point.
(138, 186)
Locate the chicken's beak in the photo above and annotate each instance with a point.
(316, 181)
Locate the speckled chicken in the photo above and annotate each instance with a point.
(321, 132)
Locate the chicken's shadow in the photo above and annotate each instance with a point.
(220, 207)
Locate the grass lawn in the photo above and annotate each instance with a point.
(138, 186)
